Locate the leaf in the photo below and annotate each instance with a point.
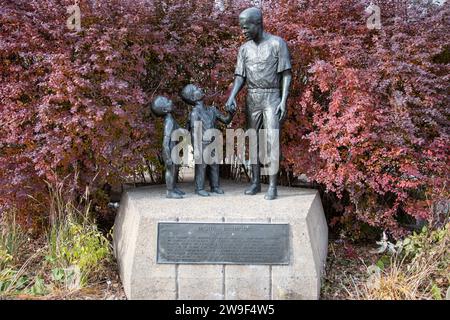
(436, 292)
(58, 274)
(38, 287)
(21, 282)
(380, 264)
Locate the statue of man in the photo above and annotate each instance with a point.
(263, 64)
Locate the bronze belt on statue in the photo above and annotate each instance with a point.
(263, 89)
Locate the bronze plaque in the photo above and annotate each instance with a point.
(222, 243)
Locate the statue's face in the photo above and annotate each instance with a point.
(167, 106)
(249, 27)
(197, 94)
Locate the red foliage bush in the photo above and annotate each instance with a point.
(76, 101)
(367, 115)
(371, 106)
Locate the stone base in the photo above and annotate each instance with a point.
(135, 241)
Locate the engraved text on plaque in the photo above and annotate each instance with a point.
(223, 243)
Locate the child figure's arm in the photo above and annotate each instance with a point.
(196, 141)
(188, 123)
(166, 152)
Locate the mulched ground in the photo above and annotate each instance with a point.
(346, 265)
(108, 288)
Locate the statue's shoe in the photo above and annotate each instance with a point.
(173, 195)
(202, 193)
(179, 191)
(254, 189)
(217, 190)
(271, 194)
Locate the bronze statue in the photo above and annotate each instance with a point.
(162, 107)
(207, 117)
(263, 64)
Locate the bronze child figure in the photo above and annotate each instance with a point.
(162, 107)
(207, 117)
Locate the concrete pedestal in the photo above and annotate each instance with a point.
(135, 241)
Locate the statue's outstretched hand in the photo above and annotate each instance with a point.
(230, 106)
(232, 111)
